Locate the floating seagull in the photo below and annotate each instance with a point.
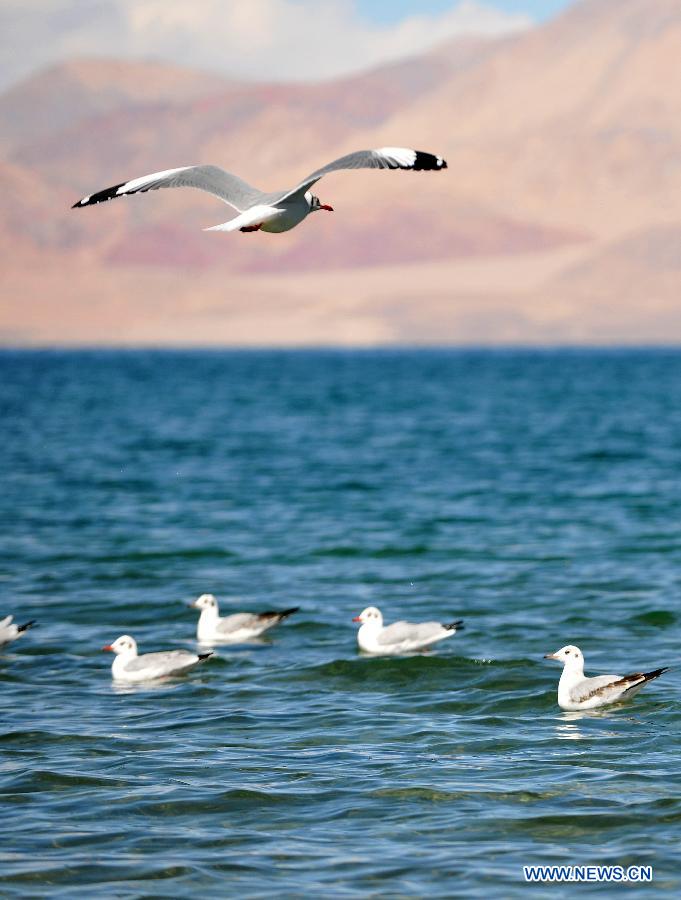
(234, 629)
(259, 211)
(130, 667)
(576, 691)
(400, 637)
(10, 632)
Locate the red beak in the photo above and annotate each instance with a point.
(108, 647)
(357, 619)
(326, 207)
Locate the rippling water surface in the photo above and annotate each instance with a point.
(535, 495)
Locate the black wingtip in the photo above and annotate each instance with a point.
(26, 626)
(655, 673)
(107, 194)
(279, 613)
(454, 626)
(428, 162)
(203, 656)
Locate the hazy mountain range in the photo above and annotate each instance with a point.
(558, 219)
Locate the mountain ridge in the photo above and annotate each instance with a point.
(563, 143)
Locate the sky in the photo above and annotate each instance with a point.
(387, 11)
(249, 39)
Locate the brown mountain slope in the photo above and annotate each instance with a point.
(84, 103)
(574, 123)
(72, 92)
(551, 223)
(234, 126)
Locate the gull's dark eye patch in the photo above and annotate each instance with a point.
(567, 652)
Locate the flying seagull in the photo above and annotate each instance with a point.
(259, 211)
(400, 637)
(576, 691)
(238, 627)
(131, 667)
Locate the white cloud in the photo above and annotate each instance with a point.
(261, 39)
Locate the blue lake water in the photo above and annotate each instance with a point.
(536, 495)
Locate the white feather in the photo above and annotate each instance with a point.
(138, 183)
(401, 155)
(254, 216)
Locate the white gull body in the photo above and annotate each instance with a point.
(237, 628)
(400, 637)
(257, 210)
(576, 691)
(132, 668)
(10, 632)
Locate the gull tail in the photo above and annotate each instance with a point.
(648, 676)
(632, 684)
(232, 225)
(288, 612)
(279, 615)
(255, 216)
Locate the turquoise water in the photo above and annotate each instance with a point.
(536, 495)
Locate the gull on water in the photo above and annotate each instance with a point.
(10, 632)
(234, 629)
(400, 637)
(576, 691)
(129, 667)
(259, 211)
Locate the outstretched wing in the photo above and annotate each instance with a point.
(212, 179)
(384, 158)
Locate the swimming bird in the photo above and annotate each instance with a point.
(10, 632)
(576, 691)
(259, 211)
(234, 629)
(400, 637)
(128, 666)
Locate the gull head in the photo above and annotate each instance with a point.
(570, 656)
(124, 645)
(370, 616)
(205, 601)
(315, 204)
